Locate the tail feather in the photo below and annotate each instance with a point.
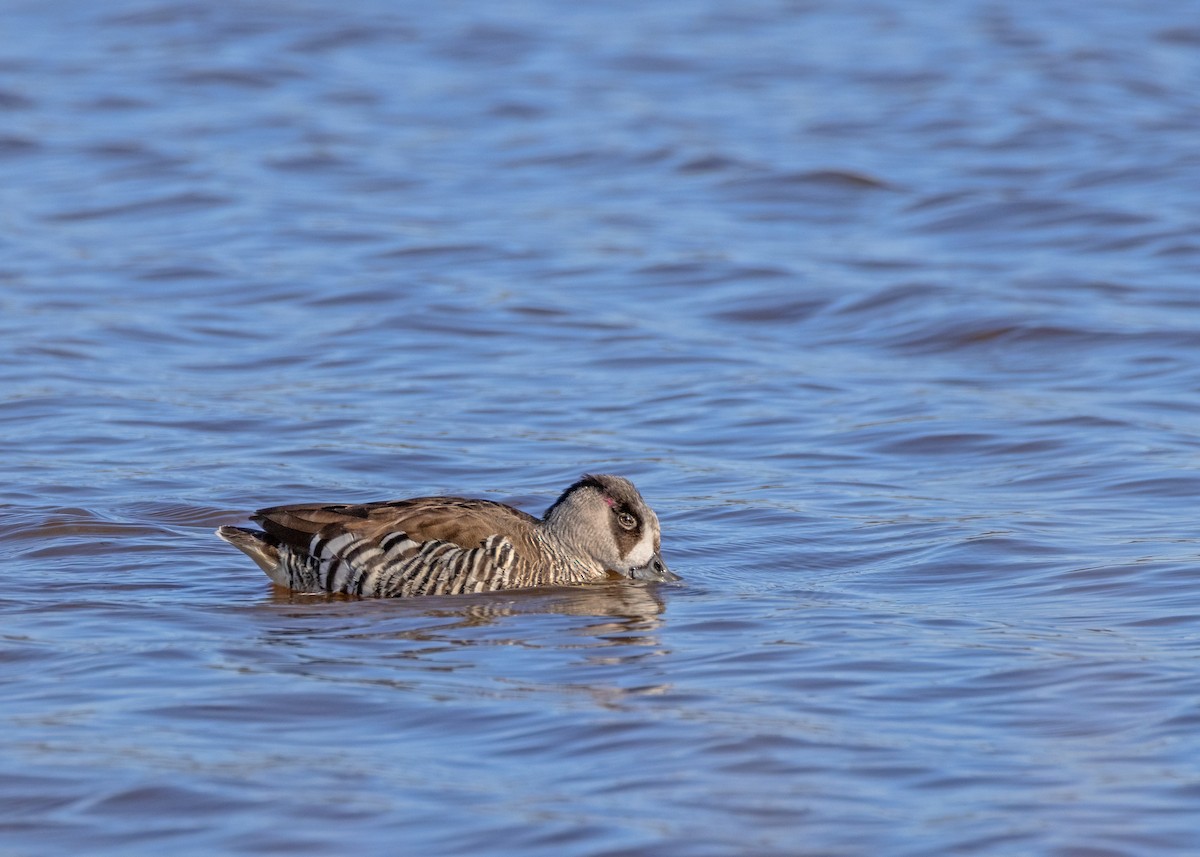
(256, 545)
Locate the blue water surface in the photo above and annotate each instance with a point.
(890, 310)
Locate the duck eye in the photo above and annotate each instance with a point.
(626, 520)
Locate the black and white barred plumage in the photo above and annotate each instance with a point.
(451, 545)
(396, 566)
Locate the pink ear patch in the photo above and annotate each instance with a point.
(609, 500)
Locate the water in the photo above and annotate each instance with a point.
(890, 310)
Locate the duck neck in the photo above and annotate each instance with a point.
(570, 559)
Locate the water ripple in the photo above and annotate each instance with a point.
(891, 315)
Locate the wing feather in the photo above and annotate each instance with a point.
(460, 521)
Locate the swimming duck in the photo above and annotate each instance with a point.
(449, 545)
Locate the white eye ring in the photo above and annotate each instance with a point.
(627, 521)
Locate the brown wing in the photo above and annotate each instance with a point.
(463, 522)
